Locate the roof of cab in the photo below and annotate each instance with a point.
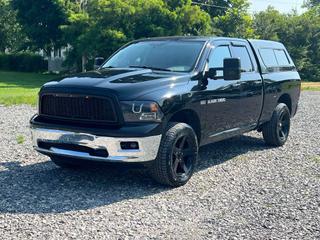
(255, 42)
(266, 44)
(189, 38)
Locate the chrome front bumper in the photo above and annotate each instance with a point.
(148, 146)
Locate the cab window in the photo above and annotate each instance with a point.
(242, 53)
(217, 56)
(281, 57)
(268, 57)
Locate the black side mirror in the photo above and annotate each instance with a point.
(98, 61)
(231, 69)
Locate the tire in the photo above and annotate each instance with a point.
(177, 156)
(276, 131)
(68, 163)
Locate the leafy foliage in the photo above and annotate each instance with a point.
(23, 62)
(300, 34)
(11, 36)
(312, 3)
(104, 25)
(215, 8)
(236, 22)
(41, 21)
(98, 27)
(269, 24)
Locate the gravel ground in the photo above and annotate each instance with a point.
(242, 190)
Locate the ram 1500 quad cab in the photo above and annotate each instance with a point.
(155, 101)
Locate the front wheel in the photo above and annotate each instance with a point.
(177, 156)
(276, 131)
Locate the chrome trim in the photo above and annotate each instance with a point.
(148, 146)
(225, 132)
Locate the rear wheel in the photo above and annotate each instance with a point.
(177, 156)
(276, 131)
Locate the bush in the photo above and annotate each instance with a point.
(23, 62)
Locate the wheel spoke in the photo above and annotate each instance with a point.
(175, 165)
(181, 145)
(176, 151)
(283, 125)
(181, 157)
(184, 167)
(281, 118)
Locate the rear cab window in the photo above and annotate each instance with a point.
(275, 59)
(281, 57)
(268, 57)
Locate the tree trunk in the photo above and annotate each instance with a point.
(47, 51)
(83, 63)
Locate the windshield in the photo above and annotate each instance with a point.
(178, 56)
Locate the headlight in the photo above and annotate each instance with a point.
(141, 111)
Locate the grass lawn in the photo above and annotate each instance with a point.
(21, 88)
(311, 86)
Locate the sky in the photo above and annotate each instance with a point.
(284, 6)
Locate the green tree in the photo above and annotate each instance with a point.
(312, 3)
(193, 21)
(11, 37)
(300, 34)
(41, 21)
(174, 4)
(214, 7)
(104, 25)
(236, 22)
(269, 23)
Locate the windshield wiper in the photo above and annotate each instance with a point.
(152, 68)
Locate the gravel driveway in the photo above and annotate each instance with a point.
(242, 189)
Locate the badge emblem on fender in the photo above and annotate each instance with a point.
(213, 101)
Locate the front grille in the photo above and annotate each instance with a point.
(78, 107)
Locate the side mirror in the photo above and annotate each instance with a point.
(98, 61)
(231, 69)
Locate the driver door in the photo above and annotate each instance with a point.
(222, 97)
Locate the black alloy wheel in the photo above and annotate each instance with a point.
(182, 158)
(284, 126)
(177, 156)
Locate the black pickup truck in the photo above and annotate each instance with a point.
(155, 101)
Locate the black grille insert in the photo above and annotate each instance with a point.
(73, 147)
(78, 107)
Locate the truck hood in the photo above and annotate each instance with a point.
(126, 84)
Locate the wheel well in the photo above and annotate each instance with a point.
(286, 99)
(189, 117)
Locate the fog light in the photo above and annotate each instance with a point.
(129, 145)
